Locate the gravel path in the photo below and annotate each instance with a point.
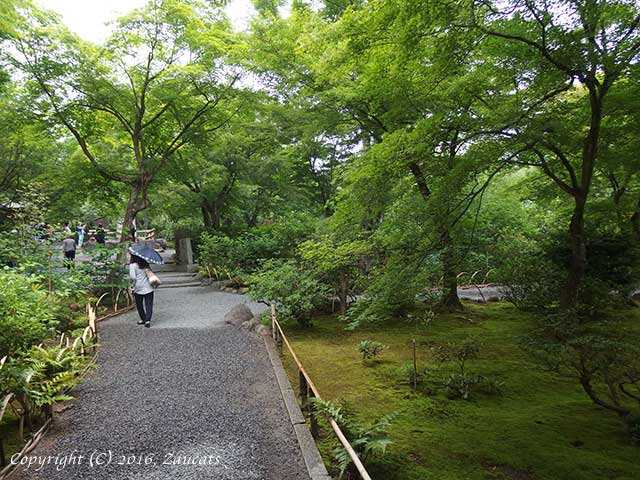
(188, 390)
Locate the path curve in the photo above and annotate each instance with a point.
(190, 389)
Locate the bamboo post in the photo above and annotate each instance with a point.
(415, 366)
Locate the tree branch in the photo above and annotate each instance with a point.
(420, 180)
(545, 168)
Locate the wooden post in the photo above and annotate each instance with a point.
(279, 341)
(304, 392)
(275, 330)
(273, 323)
(312, 417)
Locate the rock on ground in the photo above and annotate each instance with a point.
(238, 314)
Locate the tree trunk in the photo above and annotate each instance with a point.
(134, 205)
(578, 263)
(570, 294)
(343, 292)
(211, 216)
(208, 213)
(216, 216)
(206, 219)
(450, 299)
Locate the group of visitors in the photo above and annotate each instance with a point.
(75, 240)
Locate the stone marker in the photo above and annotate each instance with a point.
(184, 253)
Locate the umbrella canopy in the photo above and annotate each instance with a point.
(146, 253)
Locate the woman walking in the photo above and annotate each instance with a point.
(143, 291)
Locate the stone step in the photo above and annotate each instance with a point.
(178, 280)
(179, 285)
(172, 267)
(177, 274)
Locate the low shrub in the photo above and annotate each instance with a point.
(370, 349)
(27, 313)
(296, 292)
(461, 384)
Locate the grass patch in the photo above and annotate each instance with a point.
(542, 427)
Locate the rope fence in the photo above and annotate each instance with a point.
(308, 390)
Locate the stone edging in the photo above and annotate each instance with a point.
(312, 459)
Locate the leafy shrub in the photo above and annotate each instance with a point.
(613, 262)
(460, 383)
(19, 249)
(367, 440)
(226, 256)
(531, 281)
(337, 263)
(293, 289)
(370, 348)
(459, 353)
(391, 293)
(217, 255)
(601, 356)
(104, 271)
(26, 311)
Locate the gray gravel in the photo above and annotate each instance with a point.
(490, 293)
(189, 390)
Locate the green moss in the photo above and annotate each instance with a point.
(542, 427)
(9, 434)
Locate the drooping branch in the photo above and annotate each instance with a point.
(585, 381)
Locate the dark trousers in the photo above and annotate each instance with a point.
(69, 259)
(145, 311)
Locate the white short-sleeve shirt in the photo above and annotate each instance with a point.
(141, 284)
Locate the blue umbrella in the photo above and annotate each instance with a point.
(146, 253)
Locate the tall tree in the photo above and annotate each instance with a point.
(134, 102)
(559, 46)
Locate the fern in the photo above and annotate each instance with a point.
(53, 371)
(367, 440)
